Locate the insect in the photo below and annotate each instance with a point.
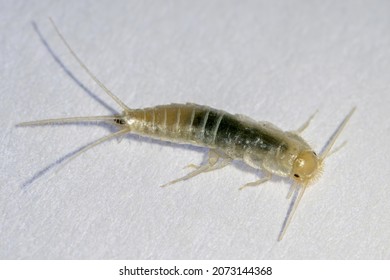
(229, 137)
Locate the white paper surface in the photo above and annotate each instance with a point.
(277, 61)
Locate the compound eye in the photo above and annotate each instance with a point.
(296, 175)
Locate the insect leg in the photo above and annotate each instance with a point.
(213, 155)
(213, 163)
(306, 123)
(335, 150)
(258, 182)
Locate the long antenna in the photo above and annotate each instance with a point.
(298, 193)
(300, 190)
(101, 85)
(334, 137)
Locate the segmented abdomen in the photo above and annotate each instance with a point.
(205, 126)
(183, 123)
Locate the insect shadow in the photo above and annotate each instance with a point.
(46, 170)
(67, 71)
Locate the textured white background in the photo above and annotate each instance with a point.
(272, 60)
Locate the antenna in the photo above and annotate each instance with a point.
(300, 190)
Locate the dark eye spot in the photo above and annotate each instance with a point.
(314, 153)
(296, 175)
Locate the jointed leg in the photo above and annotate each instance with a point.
(213, 163)
(306, 123)
(335, 150)
(258, 182)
